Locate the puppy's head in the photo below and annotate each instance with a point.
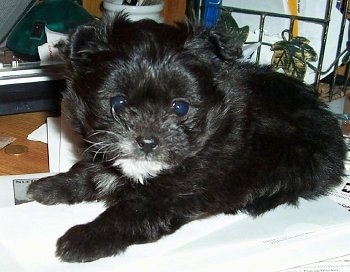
(143, 95)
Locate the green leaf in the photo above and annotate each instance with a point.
(300, 40)
(244, 32)
(292, 56)
(229, 24)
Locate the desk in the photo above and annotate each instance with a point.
(35, 160)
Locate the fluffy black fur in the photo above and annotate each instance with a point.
(175, 128)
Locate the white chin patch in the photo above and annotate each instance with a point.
(140, 170)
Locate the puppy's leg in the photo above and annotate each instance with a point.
(72, 187)
(138, 215)
(127, 222)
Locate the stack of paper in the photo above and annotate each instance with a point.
(284, 238)
(61, 145)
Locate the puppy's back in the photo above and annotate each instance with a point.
(295, 144)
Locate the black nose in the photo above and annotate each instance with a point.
(148, 143)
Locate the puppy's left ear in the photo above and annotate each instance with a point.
(225, 46)
(215, 44)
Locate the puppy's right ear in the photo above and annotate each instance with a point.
(83, 49)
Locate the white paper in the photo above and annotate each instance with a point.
(7, 187)
(317, 230)
(48, 53)
(54, 143)
(40, 134)
(5, 141)
(62, 144)
(341, 264)
(53, 36)
(341, 194)
(69, 144)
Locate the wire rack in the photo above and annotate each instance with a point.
(336, 85)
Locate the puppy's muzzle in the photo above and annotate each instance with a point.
(147, 143)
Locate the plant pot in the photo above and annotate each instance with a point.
(135, 13)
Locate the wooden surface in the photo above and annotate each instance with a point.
(174, 11)
(35, 160)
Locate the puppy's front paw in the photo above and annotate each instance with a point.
(84, 243)
(47, 191)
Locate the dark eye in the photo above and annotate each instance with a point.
(180, 107)
(117, 102)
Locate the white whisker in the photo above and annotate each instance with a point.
(99, 151)
(112, 149)
(109, 151)
(92, 146)
(100, 131)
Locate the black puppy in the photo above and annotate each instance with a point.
(175, 128)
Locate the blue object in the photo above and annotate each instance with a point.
(180, 107)
(211, 12)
